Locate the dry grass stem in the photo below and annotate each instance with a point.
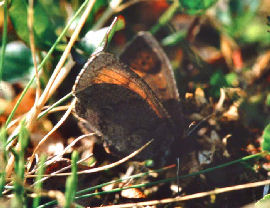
(57, 109)
(30, 22)
(60, 155)
(112, 165)
(62, 169)
(61, 76)
(64, 117)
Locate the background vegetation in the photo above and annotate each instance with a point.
(219, 50)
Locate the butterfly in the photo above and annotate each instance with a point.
(130, 100)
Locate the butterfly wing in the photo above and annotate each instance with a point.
(116, 103)
(145, 57)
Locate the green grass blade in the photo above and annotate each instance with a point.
(63, 99)
(19, 199)
(38, 185)
(165, 17)
(4, 39)
(72, 181)
(3, 159)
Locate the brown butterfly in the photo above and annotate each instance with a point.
(131, 100)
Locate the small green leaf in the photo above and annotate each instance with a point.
(18, 62)
(196, 6)
(44, 26)
(255, 32)
(268, 99)
(149, 163)
(174, 38)
(18, 16)
(231, 79)
(266, 138)
(217, 81)
(238, 16)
